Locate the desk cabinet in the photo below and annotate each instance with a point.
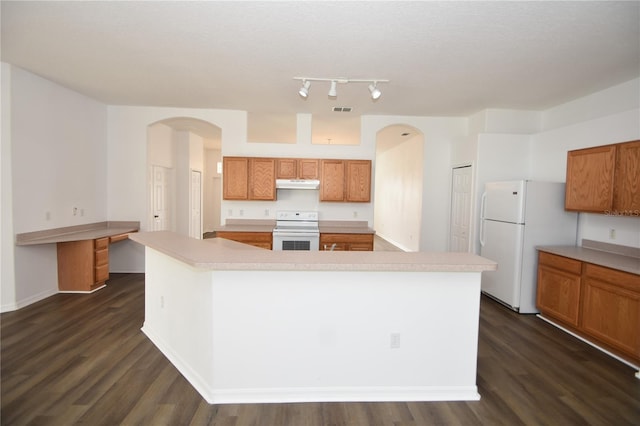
(83, 266)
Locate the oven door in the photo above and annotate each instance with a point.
(286, 240)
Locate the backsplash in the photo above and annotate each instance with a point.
(618, 230)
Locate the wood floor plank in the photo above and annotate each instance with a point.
(82, 359)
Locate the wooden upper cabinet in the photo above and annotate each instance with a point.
(262, 178)
(358, 182)
(308, 168)
(286, 168)
(235, 172)
(626, 191)
(604, 179)
(590, 173)
(297, 168)
(332, 175)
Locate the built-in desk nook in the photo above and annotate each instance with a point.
(83, 252)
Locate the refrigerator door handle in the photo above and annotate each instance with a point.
(482, 203)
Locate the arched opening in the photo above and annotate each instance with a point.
(184, 177)
(398, 185)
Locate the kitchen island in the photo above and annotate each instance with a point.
(248, 325)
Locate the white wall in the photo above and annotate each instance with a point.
(127, 166)
(7, 272)
(212, 190)
(399, 182)
(58, 156)
(440, 135)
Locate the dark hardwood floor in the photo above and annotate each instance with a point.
(82, 359)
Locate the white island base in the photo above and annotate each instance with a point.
(249, 336)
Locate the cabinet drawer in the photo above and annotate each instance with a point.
(102, 257)
(559, 262)
(101, 243)
(117, 238)
(613, 276)
(246, 237)
(101, 273)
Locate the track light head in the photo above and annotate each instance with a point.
(375, 92)
(304, 90)
(332, 91)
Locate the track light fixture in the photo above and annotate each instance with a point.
(373, 85)
(304, 90)
(375, 93)
(332, 91)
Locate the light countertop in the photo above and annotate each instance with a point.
(601, 254)
(89, 231)
(326, 226)
(222, 254)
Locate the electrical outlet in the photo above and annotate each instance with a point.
(266, 212)
(612, 234)
(395, 341)
(241, 212)
(75, 211)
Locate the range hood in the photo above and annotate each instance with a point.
(297, 183)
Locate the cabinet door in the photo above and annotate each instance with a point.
(262, 179)
(308, 168)
(358, 181)
(332, 174)
(235, 174)
(611, 308)
(558, 294)
(286, 168)
(626, 193)
(590, 174)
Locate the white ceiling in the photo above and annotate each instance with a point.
(442, 58)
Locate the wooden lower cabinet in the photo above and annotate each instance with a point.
(611, 308)
(559, 287)
(83, 266)
(600, 304)
(346, 242)
(258, 239)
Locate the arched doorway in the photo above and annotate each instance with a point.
(398, 185)
(184, 183)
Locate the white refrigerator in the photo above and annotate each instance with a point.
(517, 216)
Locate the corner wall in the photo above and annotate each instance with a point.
(57, 154)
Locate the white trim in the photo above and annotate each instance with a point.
(612, 355)
(28, 301)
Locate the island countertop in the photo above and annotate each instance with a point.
(222, 254)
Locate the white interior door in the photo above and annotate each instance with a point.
(160, 202)
(460, 220)
(195, 227)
